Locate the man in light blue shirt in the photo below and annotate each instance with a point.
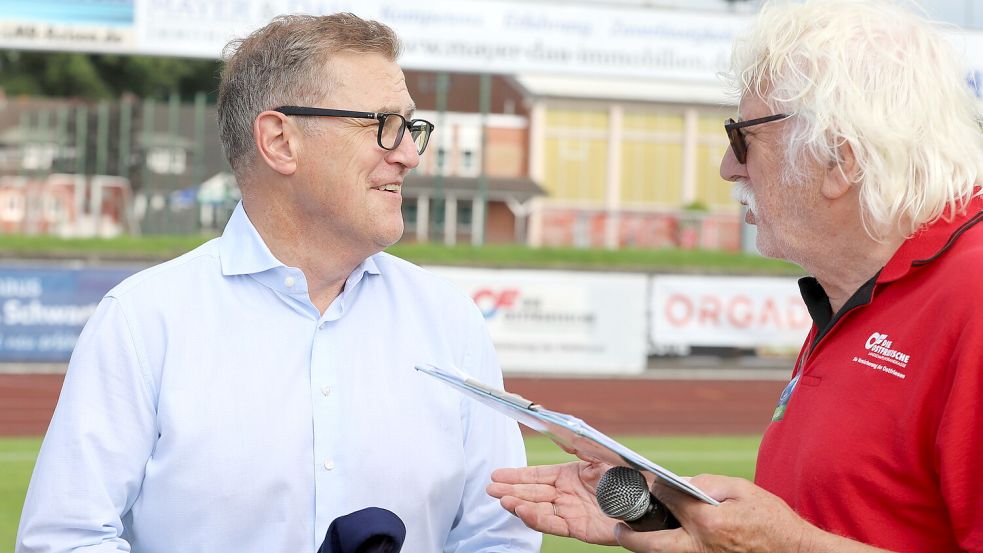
(244, 395)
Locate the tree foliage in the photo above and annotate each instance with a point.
(101, 76)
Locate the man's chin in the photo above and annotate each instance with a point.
(766, 247)
(389, 236)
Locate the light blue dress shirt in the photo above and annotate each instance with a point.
(210, 407)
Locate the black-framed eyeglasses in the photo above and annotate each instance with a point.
(736, 136)
(392, 126)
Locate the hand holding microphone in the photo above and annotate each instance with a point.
(623, 493)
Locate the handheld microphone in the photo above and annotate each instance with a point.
(623, 493)
(370, 530)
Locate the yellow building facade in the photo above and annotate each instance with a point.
(631, 174)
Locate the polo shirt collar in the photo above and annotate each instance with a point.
(931, 241)
(926, 245)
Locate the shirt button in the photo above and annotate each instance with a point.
(289, 282)
(326, 390)
(322, 325)
(328, 464)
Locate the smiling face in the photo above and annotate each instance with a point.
(782, 211)
(349, 188)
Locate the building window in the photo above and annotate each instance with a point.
(470, 162)
(39, 156)
(12, 208)
(167, 161)
(465, 215)
(53, 209)
(409, 213)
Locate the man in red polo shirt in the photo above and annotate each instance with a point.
(859, 154)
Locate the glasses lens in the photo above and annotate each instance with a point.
(391, 130)
(420, 131)
(737, 142)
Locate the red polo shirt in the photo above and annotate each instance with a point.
(880, 438)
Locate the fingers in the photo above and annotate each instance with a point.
(543, 474)
(541, 516)
(663, 541)
(684, 507)
(527, 483)
(721, 488)
(524, 492)
(672, 497)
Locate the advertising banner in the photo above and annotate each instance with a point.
(70, 25)
(489, 36)
(743, 312)
(43, 310)
(560, 322)
(493, 36)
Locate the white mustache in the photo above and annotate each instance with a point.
(742, 192)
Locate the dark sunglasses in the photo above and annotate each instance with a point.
(736, 136)
(392, 126)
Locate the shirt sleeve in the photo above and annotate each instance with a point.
(960, 440)
(491, 441)
(92, 459)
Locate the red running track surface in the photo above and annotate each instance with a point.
(613, 406)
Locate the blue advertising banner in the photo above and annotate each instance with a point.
(43, 309)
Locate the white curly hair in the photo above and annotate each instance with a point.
(876, 76)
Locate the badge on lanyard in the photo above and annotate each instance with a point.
(783, 399)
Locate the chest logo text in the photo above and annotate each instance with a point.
(880, 348)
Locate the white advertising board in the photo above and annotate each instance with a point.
(723, 311)
(560, 322)
(493, 36)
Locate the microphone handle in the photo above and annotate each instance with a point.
(657, 517)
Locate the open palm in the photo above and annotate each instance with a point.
(556, 499)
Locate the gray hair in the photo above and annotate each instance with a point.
(872, 75)
(283, 64)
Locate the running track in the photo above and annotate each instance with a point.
(615, 406)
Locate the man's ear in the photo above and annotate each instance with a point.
(842, 174)
(277, 141)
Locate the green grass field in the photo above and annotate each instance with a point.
(728, 455)
(150, 249)
(16, 463)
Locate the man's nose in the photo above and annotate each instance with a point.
(730, 169)
(405, 154)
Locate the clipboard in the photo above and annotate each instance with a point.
(567, 430)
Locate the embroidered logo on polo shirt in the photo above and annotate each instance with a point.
(883, 356)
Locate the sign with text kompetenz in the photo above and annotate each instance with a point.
(43, 309)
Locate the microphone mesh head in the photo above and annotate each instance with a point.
(623, 493)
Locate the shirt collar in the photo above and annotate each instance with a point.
(820, 309)
(931, 241)
(244, 252)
